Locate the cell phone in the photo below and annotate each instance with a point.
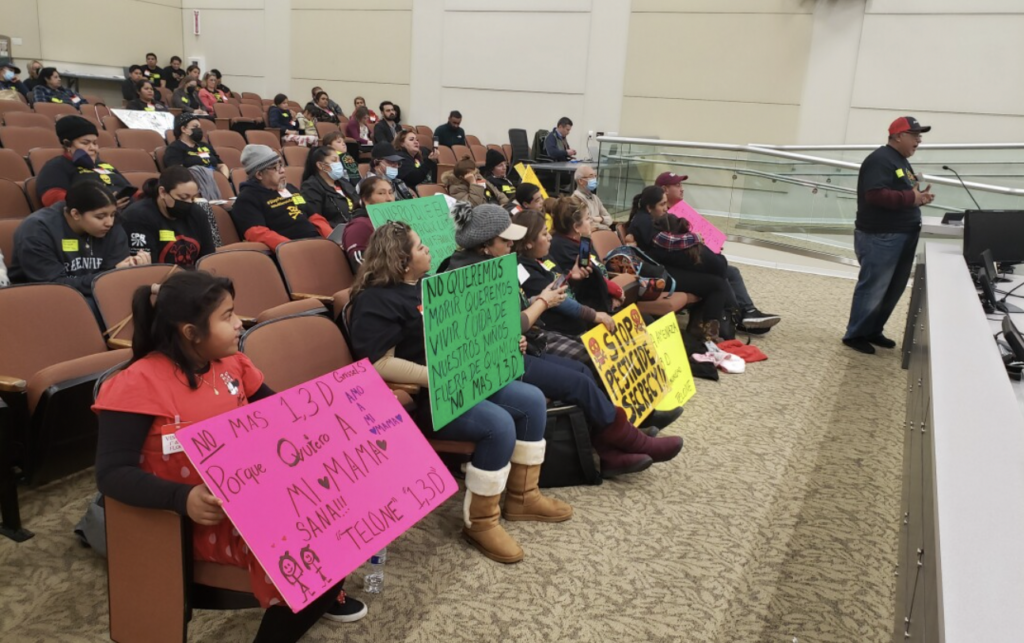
(560, 281)
(437, 142)
(585, 247)
(125, 192)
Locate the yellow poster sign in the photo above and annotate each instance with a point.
(668, 342)
(527, 175)
(628, 364)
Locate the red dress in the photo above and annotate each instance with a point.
(155, 386)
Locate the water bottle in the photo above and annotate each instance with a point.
(374, 581)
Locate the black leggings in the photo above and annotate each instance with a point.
(713, 291)
(281, 625)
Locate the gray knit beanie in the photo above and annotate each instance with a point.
(258, 157)
(476, 226)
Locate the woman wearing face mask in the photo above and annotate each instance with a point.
(72, 241)
(80, 162)
(51, 91)
(167, 223)
(357, 233)
(146, 101)
(186, 97)
(326, 187)
(415, 169)
(189, 149)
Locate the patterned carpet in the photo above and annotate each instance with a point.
(778, 522)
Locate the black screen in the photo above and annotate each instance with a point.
(1001, 231)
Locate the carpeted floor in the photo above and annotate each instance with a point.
(777, 522)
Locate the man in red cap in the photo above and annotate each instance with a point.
(889, 200)
(751, 320)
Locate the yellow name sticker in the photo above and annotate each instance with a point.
(298, 200)
(899, 173)
(167, 235)
(69, 245)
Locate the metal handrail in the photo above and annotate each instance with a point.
(755, 149)
(922, 146)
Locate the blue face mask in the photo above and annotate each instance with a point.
(8, 75)
(337, 171)
(592, 185)
(391, 173)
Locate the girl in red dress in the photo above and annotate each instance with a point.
(186, 368)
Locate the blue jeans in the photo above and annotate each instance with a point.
(568, 380)
(886, 259)
(516, 412)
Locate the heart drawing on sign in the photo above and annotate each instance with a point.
(383, 444)
(373, 430)
(325, 482)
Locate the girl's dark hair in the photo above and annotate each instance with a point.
(331, 137)
(169, 179)
(46, 73)
(566, 213)
(316, 99)
(362, 112)
(368, 185)
(646, 200)
(142, 83)
(186, 297)
(525, 193)
(317, 155)
(280, 98)
(86, 196)
(535, 224)
(677, 225)
(464, 167)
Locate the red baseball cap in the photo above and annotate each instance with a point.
(907, 124)
(666, 179)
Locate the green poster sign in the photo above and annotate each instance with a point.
(428, 217)
(471, 328)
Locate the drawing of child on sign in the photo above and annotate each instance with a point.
(292, 572)
(312, 562)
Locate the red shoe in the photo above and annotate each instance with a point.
(623, 436)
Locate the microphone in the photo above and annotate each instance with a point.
(946, 167)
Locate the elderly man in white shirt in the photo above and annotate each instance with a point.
(586, 184)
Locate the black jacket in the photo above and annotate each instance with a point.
(260, 207)
(47, 250)
(504, 184)
(179, 241)
(179, 153)
(324, 198)
(413, 172)
(383, 134)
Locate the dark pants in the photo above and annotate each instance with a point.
(713, 291)
(886, 259)
(569, 381)
(281, 625)
(739, 289)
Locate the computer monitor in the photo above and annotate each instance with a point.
(1013, 338)
(1001, 231)
(988, 291)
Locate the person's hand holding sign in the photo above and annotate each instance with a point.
(204, 508)
(606, 319)
(522, 344)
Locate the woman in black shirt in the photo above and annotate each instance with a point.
(415, 169)
(145, 100)
(166, 223)
(326, 187)
(386, 327)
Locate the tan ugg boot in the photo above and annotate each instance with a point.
(524, 501)
(481, 515)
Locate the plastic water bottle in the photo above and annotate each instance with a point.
(374, 581)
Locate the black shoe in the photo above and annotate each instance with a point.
(348, 612)
(882, 340)
(752, 331)
(754, 318)
(650, 431)
(860, 344)
(661, 419)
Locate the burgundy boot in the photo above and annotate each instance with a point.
(623, 436)
(616, 463)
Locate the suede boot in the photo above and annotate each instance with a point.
(617, 463)
(523, 500)
(481, 515)
(624, 436)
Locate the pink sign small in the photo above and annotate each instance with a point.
(714, 238)
(320, 477)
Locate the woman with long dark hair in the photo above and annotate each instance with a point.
(326, 187)
(167, 223)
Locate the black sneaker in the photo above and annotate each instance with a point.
(860, 344)
(754, 318)
(650, 431)
(752, 331)
(882, 340)
(349, 611)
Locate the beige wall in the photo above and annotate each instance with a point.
(704, 70)
(70, 34)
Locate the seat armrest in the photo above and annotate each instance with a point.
(327, 301)
(411, 389)
(10, 384)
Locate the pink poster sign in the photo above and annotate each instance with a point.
(714, 238)
(320, 477)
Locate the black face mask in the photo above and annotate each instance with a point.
(196, 135)
(179, 208)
